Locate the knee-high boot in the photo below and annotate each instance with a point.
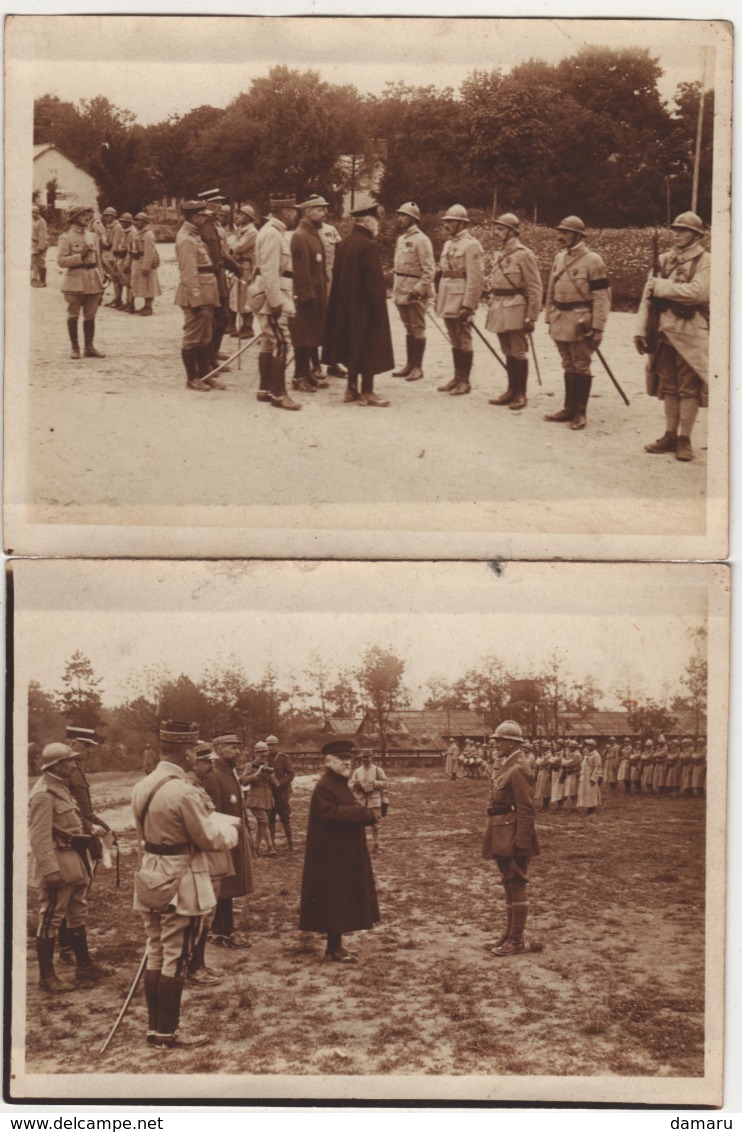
(583, 383)
(151, 997)
(264, 372)
(508, 396)
(451, 385)
(48, 979)
(74, 338)
(520, 380)
(464, 383)
(279, 397)
(567, 413)
(407, 367)
(88, 329)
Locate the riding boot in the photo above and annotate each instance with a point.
(88, 329)
(169, 993)
(417, 352)
(190, 361)
(264, 371)
(508, 396)
(74, 338)
(42, 275)
(88, 971)
(583, 382)
(451, 385)
(231, 327)
(302, 379)
(205, 367)
(279, 397)
(48, 979)
(520, 379)
(567, 413)
(464, 382)
(407, 367)
(151, 996)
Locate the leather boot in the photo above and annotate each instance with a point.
(520, 378)
(451, 385)
(42, 275)
(166, 1036)
(74, 338)
(404, 370)
(231, 327)
(351, 394)
(151, 997)
(190, 361)
(88, 329)
(48, 980)
(570, 390)
(368, 397)
(302, 379)
(666, 443)
(315, 369)
(418, 350)
(464, 385)
(264, 371)
(508, 396)
(583, 382)
(88, 971)
(279, 397)
(204, 367)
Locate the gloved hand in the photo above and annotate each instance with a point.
(466, 314)
(414, 297)
(640, 344)
(595, 337)
(528, 326)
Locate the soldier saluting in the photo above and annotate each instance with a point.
(516, 290)
(578, 301)
(459, 292)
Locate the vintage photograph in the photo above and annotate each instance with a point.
(369, 831)
(509, 238)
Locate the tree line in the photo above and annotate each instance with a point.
(298, 707)
(590, 134)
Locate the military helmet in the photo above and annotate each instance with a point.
(572, 224)
(690, 221)
(409, 209)
(126, 216)
(54, 753)
(508, 220)
(78, 210)
(109, 211)
(457, 212)
(261, 746)
(141, 216)
(248, 210)
(509, 729)
(271, 739)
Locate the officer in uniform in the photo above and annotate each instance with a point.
(145, 282)
(283, 776)
(330, 238)
(578, 301)
(512, 793)
(225, 790)
(60, 869)
(677, 370)
(110, 241)
(459, 291)
(39, 244)
(197, 295)
(516, 290)
(121, 254)
(220, 866)
(310, 292)
(173, 890)
(272, 299)
(82, 285)
(241, 245)
(214, 237)
(414, 271)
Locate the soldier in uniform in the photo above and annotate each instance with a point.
(39, 244)
(82, 285)
(241, 245)
(60, 869)
(677, 370)
(310, 292)
(578, 301)
(591, 776)
(512, 792)
(225, 790)
(271, 295)
(459, 292)
(145, 282)
(516, 291)
(260, 782)
(414, 272)
(647, 767)
(111, 240)
(369, 784)
(200, 974)
(120, 246)
(571, 762)
(283, 776)
(197, 295)
(214, 237)
(357, 332)
(173, 890)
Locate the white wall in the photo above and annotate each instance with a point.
(74, 186)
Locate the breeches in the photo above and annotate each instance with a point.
(261, 817)
(77, 302)
(67, 902)
(459, 334)
(413, 318)
(514, 343)
(281, 808)
(38, 260)
(197, 326)
(677, 378)
(170, 941)
(576, 356)
(275, 334)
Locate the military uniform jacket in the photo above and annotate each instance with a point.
(197, 286)
(682, 291)
(177, 815)
(578, 297)
(310, 285)
(225, 790)
(83, 276)
(330, 237)
(260, 796)
(145, 261)
(414, 266)
(53, 817)
(369, 786)
(119, 240)
(39, 237)
(516, 288)
(512, 785)
(462, 275)
(273, 267)
(241, 244)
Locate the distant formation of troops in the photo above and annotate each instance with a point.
(314, 292)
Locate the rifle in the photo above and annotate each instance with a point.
(653, 318)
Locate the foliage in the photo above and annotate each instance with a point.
(80, 698)
(379, 676)
(649, 719)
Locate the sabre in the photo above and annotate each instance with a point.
(535, 358)
(607, 369)
(220, 367)
(125, 1007)
(436, 324)
(491, 349)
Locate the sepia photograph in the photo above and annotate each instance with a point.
(348, 831)
(509, 238)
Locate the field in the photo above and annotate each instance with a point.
(613, 982)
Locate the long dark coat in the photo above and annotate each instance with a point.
(223, 787)
(338, 893)
(357, 331)
(310, 286)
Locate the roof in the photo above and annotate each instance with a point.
(343, 725)
(39, 149)
(428, 729)
(604, 723)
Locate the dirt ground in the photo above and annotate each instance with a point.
(126, 431)
(612, 984)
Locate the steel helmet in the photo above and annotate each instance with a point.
(109, 211)
(54, 753)
(688, 220)
(509, 729)
(79, 209)
(126, 216)
(248, 210)
(409, 209)
(141, 216)
(271, 739)
(261, 746)
(571, 224)
(509, 220)
(457, 212)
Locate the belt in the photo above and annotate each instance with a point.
(406, 275)
(496, 811)
(168, 850)
(573, 306)
(136, 255)
(82, 267)
(119, 255)
(506, 291)
(205, 270)
(287, 275)
(454, 275)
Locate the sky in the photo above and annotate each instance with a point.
(159, 66)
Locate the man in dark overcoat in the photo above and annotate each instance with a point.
(224, 789)
(338, 893)
(310, 292)
(357, 332)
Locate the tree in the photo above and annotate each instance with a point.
(444, 696)
(44, 723)
(695, 679)
(342, 695)
(180, 150)
(380, 678)
(80, 701)
(649, 719)
(318, 674)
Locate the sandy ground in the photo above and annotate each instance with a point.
(126, 431)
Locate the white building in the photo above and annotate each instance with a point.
(74, 185)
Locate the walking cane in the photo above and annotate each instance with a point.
(491, 349)
(220, 367)
(535, 358)
(125, 1007)
(607, 369)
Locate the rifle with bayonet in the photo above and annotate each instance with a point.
(651, 334)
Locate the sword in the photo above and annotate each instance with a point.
(491, 349)
(437, 325)
(607, 369)
(220, 367)
(535, 358)
(125, 1007)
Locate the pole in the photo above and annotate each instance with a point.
(608, 370)
(125, 1007)
(699, 134)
